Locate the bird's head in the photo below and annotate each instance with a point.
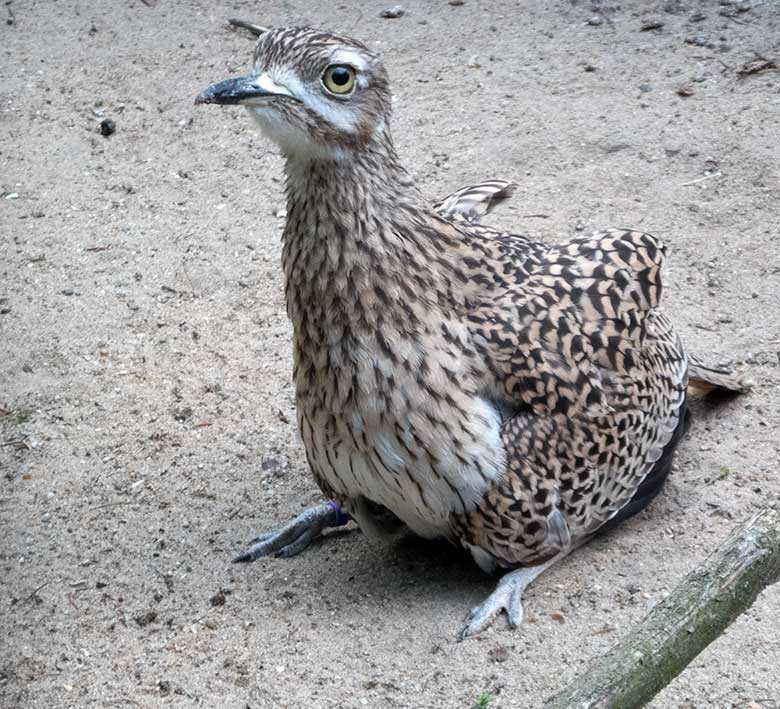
(315, 94)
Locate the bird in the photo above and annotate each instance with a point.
(512, 396)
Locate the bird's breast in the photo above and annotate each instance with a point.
(420, 470)
(389, 436)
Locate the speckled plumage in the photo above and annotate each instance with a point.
(510, 395)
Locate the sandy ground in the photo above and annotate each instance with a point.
(147, 426)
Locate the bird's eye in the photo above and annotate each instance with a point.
(339, 79)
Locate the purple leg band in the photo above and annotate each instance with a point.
(341, 517)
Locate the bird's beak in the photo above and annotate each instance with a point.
(243, 89)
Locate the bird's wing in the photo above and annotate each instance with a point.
(582, 311)
(598, 375)
(473, 202)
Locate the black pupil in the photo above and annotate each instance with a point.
(340, 77)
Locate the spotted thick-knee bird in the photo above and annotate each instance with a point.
(512, 396)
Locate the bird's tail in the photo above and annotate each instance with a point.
(475, 201)
(704, 379)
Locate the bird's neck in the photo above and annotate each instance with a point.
(351, 182)
(357, 222)
(360, 241)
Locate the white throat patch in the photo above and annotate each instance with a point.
(267, 83)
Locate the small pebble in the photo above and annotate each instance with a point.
(457, 3)
(730, 9)
(596, 20)
(698, 40)
(616, 147)
(182, 414)
(392, 13)
(144, 619)
(685, 91)
(499, 654)
(68, 291)
(650, 25)
(558, 617)
(107, 127)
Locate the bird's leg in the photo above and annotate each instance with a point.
(295, 536)
(507, 597)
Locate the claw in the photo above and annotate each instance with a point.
(262, 538)
(295, 547)
(295, 536)
(508, 597)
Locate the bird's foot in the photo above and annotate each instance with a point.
(295, 536)
(507, 597)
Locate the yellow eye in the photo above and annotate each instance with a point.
(339, 79)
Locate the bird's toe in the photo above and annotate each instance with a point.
(295, 547)
(295, 536)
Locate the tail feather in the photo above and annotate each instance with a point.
(475, 201)
(704, 379)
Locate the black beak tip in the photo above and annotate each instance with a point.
(229, 91)
(205, 96)
(233, 91)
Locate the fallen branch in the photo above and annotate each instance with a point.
(676, 630)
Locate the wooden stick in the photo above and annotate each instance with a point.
(700, 179)
(679, 628)
(255, 29)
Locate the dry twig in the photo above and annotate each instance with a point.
(256, 30)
